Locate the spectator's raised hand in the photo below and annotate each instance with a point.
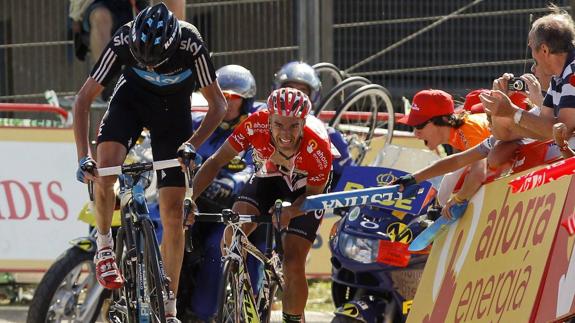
(501, 83)
(497, 104)
(560, 134)
(533, 89)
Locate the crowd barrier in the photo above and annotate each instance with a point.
(507, 259)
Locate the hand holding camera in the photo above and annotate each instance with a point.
(516, 84)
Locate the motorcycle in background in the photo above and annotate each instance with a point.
(69, 290)
(374, 276)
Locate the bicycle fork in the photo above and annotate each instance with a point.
(249, 310)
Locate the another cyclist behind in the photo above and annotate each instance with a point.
(293, 158)
(163, 60)
(239, 87)
(302, 76)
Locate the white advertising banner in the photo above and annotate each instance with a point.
(39, 197)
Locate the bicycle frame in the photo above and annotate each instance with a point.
(142, 259)
(134, 211)
(252, 305)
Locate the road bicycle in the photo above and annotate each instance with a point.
(141, 299)
(238, 301)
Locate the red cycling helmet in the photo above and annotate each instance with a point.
(289, 102)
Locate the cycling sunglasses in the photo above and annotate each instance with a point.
(422, 125)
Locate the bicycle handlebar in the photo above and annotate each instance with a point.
(138, 167)
(229, 216)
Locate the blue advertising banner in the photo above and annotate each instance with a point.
(360, 177)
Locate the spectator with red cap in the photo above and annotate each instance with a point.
(435, 122)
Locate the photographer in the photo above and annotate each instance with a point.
(552, 43)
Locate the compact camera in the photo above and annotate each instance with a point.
(516, 84)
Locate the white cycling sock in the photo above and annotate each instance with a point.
(105, 240)
(170, 305)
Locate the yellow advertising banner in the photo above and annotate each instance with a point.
(488, 267)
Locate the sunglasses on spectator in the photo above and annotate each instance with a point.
(231, 96)
(422, 125)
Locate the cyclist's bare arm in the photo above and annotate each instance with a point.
(89, 91)
(294, 209)
(211, 168)
(217, 107)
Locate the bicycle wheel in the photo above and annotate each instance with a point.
(360, 114)
(229, 301)
(69, 291)
(329, 75)
(335, 98)
(156, 286)
(269, 289)
(122, 307)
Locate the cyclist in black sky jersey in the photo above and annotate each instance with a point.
(162, 60)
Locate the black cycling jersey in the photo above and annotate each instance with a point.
(190, 64)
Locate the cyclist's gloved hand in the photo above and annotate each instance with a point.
(220, 188)
(86, 169)
(188, 156)
(404, 181)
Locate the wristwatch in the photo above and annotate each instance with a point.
(517, 116)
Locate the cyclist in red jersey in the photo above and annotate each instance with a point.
(292, 154)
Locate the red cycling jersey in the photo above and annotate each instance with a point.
(310, 165)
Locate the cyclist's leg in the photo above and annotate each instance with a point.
(109, 153)
(171, 200)
(204, 299)
(297, 242)
(170, 123)
(117, 132)
(295, 291)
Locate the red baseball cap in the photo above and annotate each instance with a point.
(426, 105)
(517, 98)
(472, 98)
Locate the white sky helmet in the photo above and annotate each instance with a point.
(299, 72)
(238, 80)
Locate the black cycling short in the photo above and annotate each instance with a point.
(167, 117)
(262, 192)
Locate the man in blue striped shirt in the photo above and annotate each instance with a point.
(552, 43)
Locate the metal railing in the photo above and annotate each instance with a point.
(456, 45)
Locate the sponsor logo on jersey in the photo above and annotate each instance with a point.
(190, 45)
(163, 79)
(320, 158)
(249, 129)
(317, 178)
(311, 146)
(121, 40)
(239, 139)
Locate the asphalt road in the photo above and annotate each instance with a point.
(17, 314)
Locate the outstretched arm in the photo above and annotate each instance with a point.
(449, 164)
(210, 169)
